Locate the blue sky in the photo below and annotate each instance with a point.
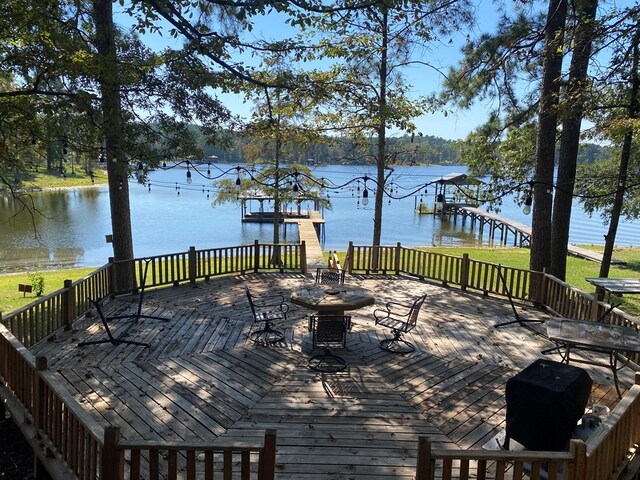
(455, 125)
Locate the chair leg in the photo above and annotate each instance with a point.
(397, 344)
(266, 335)
(327, 362)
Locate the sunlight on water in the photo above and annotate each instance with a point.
(72, 227)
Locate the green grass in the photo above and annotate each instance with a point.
(11, 299)
(52, 179)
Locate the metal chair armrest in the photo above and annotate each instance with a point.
(399, 310)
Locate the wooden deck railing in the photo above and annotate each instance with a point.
(609, 447)
(194, 265)
(448, 269)
(160, 459)
(40, 319)
(450, 463)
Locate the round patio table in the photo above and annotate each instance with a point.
(332, 299)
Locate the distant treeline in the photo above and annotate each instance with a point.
(406, 150)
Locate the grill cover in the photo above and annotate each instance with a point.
(544, 403)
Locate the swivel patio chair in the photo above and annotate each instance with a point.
(400, 318)
(329, 332)
(330, 276)
(266, 310)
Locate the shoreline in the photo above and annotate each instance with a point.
(60, 266)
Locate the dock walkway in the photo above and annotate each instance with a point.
(308, 231)
(521, 232)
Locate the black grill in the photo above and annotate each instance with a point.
(544, 403)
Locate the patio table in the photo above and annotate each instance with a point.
(332, 299)
(616, 286)
(591, 336)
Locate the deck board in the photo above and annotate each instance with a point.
(201, 378)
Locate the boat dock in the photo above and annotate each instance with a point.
(519, 232)
(310, 228)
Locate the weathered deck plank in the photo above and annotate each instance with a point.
(202, 379)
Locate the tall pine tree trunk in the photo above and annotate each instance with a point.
(382, 138)
(112, 127)
(546, 138)
(570, 140)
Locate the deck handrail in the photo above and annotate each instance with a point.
(144, 455)
(448, 269)
(39, 319)
(439, 463)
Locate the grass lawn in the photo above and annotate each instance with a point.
(11, 299)
(577, 271)
(52, 179)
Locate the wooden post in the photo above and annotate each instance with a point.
(423, 465)
(256, 256)
(595, 310)
(303, 257)
(192, 266)
(396, 260)
(68, 303)
(578, 450)
(464, 272)
(110, 467)
(39, 398)
(267, 467)
(112, 277)
(349, 260)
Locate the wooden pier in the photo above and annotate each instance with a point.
(309, 230)
(519, 232)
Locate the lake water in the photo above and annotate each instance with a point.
(74, 223)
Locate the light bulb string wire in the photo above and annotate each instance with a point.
(391, 193)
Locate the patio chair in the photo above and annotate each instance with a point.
(265, 310)
(330, 276)
(329, 331)
(400, 318)
(110, 338)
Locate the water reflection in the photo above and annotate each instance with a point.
(74, 223)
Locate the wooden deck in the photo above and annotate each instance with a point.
(202, 379)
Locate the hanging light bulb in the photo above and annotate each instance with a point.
(149, 187)
(295, 187)
(365, 197)
(189, 179)
(527, 205)
(140, 167)
(439, 202)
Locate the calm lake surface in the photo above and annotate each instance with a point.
(74, 223)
